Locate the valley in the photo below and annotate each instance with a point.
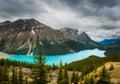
(59, 41)
(62, 56)
(71, 57)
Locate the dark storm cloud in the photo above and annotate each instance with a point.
(90, 16)
(18, 8)
(102, 3)
(94, 7)
(94, 2)
(72, 3)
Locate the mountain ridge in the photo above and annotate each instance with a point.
(113, 41)
(27, 36)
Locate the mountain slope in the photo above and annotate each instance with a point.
(27, 36)
(113, 72)
(108, 42)
(110, 74)
(111, 46)
(91, 63)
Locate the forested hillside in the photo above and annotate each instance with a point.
(13, 72)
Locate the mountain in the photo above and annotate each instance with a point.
(27, 36)
(107, 42)
(111, 46)
(73, 34)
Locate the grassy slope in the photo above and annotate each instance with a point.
(114, 74)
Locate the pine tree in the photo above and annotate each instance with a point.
(60, 74)
(26, 80)
(104, 77)
(3, 74)
(14, 76)
(1, 78)
(82, 76)
(66, 74)
(39, 74)
(92, 81)
(20, 76)
(73, 77)
(111, 67)
(76, 80)
(61, 64)
(54, 67)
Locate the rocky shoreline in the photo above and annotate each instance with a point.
(4, 55)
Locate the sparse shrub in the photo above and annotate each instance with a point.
(111, 67)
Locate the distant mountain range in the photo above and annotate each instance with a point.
(112, 46)
(27, 36)
(111, 42)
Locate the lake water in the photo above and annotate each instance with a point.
(56, 58)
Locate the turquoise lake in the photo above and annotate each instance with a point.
(56, 58)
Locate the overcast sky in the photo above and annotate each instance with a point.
(99, 18)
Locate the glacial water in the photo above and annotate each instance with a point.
(56, 58)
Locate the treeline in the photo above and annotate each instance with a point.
(11, 71)
(102, 77)
(14, 77)
(4, 79)
(112, 50)
(39, 71)
(91, 63)
(7, 63)
(63, 76)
